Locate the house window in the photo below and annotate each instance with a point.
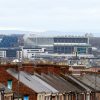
(9, 84)
(26, 97)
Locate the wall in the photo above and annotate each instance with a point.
(24, 90)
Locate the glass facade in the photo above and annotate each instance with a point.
(84, 50)
(70, 40)
(11, 53)
(64, 49)
(81, 50)
(72, 49)
(89, 50)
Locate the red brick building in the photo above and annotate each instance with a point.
(24, 90)
(44, 82)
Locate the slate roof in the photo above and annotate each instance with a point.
(33, 82)
(79, 83)
(51, 83)
(59, 83)
(91, 80)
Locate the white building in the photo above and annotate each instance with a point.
(32, 53)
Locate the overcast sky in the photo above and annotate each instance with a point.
(44, 15)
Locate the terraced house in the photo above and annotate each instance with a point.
(45, 82)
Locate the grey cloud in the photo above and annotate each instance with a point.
(67, 15)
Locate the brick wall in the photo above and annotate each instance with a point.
(23, 90)
(30, 68)
(45, 68)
